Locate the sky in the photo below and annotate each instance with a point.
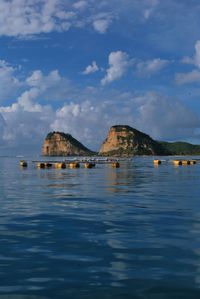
(81, 67)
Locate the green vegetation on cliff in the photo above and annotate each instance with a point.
(180, 148)
(123, 140)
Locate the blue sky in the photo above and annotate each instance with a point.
(83, 66)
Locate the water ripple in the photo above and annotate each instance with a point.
(132, 232)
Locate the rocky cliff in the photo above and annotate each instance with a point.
(61, 144)
(126, 141)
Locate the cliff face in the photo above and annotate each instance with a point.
(61, 144)
(126, 141)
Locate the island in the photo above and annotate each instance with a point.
(121, 141)
(62, 144)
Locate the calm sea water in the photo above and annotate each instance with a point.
(132, 232)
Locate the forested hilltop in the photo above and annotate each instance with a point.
(180, 148)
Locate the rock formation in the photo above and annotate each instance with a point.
(61, 144)
(126, 141)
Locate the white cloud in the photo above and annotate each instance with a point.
(149, 67)
(27, 116)
(88, 120)
(197, 54)
(19, 17)
(38, 79)
(40, 86)
(79, 119)
(80, 4)
(101, 25)
(28, 17)
(165, 117)
(27, 112)
(51, 86)
(187, 60)
(161, 117)
(26, 129)
(26, 120)
(186, 78)
(194, 75)
(101, 20)
(195, 60)
(87, 114)
(22, 18)
(92, 68)
(8, 81)
(118, 65)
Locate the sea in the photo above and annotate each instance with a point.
(123, 233)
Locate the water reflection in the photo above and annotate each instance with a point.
(131, 232)
(120, 180)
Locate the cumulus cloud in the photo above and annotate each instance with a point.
(88, 113)
(38, 86)
(119, 62)
(30, 99)
(8, 81)
(80, 4)
(25, 129)
(194, 75)
(195, 60)
(118, 65)
(28, 115)
(186, 78)
(38, 79)
(22, 18)
(101, 25)
(51, 86)
(80, 119)
(160, 116)
(150, 67)
(165, 117)
(19, 17)
(26, 121)
(89, 120)
(187, 60)
(92, 68)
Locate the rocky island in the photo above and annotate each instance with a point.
(124, 140)
(61, 144)
(121, 141)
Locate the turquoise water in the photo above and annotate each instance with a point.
(132, 232)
